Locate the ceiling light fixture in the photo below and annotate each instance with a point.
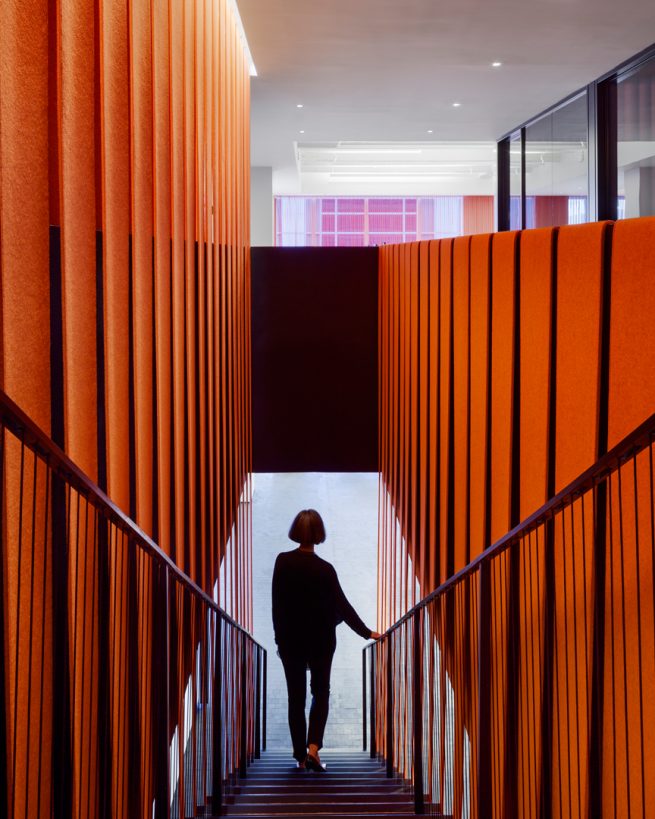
(430, 131)
(376, 151)
(302, 132)
(457, 105)
(496, 64)
(300, 105)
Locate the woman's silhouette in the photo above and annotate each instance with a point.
(308, 604)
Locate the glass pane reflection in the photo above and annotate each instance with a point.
(635, 104)
(515, 181)
(557, 169)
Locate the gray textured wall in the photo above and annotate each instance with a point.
(348, 505)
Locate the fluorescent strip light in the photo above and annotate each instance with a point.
(242, 32)
(375, 151)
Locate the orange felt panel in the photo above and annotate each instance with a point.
(78, 231)
(177, 273)
(629, 665)
(189, 543)
(116, 208)
(162, 247)
(632, 327)
(479, 401)
(535, 356)
(413, 387)
(445, 387)
(142, 278)
(25, 376)
(580, 251)
(502, 378)
(24, 206)
(116, 231)
(573, 554)
(78, 226)
(461, 387)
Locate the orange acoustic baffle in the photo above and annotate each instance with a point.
(461, 400)
(580, 264)
(444, 551)
(25, 375)
(536, 287)
(125, 301)
(503, 296)
(479, 391)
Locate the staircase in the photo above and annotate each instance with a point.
(353, 785)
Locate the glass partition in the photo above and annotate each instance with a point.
(515, 182)
(557, 166)
(635, 109)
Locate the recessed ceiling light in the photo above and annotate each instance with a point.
(300, 105)
(302, 132)
(430, 131)
(457, 104)
(496, 64)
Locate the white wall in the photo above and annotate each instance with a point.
(261, 206)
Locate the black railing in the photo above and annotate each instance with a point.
(522, 686)
(126, 690)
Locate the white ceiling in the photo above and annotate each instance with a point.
(389, 70)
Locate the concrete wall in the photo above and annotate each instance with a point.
(261, 207)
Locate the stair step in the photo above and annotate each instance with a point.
(318, 789)
(354, 785)
(324, 810)
(305, 797)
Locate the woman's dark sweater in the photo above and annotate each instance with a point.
(309, 603)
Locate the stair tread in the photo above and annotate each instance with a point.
(354, 785)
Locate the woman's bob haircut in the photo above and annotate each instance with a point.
(307, 527)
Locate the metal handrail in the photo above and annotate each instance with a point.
(15, 419)
(206, 714)
(408, 630)
(633, 443)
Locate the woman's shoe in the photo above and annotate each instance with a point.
(314, 764)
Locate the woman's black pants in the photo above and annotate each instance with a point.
(295, 665)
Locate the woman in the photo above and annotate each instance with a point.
(308, 604)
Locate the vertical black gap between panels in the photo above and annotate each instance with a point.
(131, 407)
(514, 561)
(155, 407)
(199, 579)
(488, 398)
(600, 548)
(171, 364)
(56, 339)
(4, 785)
(100, 365)
(134, 734)
(503, 182)
(208, 545)
(160, 665)
(61, 739)
(104, 733)
(450, 527)
(467, 525)
(186, 563)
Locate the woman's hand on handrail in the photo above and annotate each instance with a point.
(375, 635)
